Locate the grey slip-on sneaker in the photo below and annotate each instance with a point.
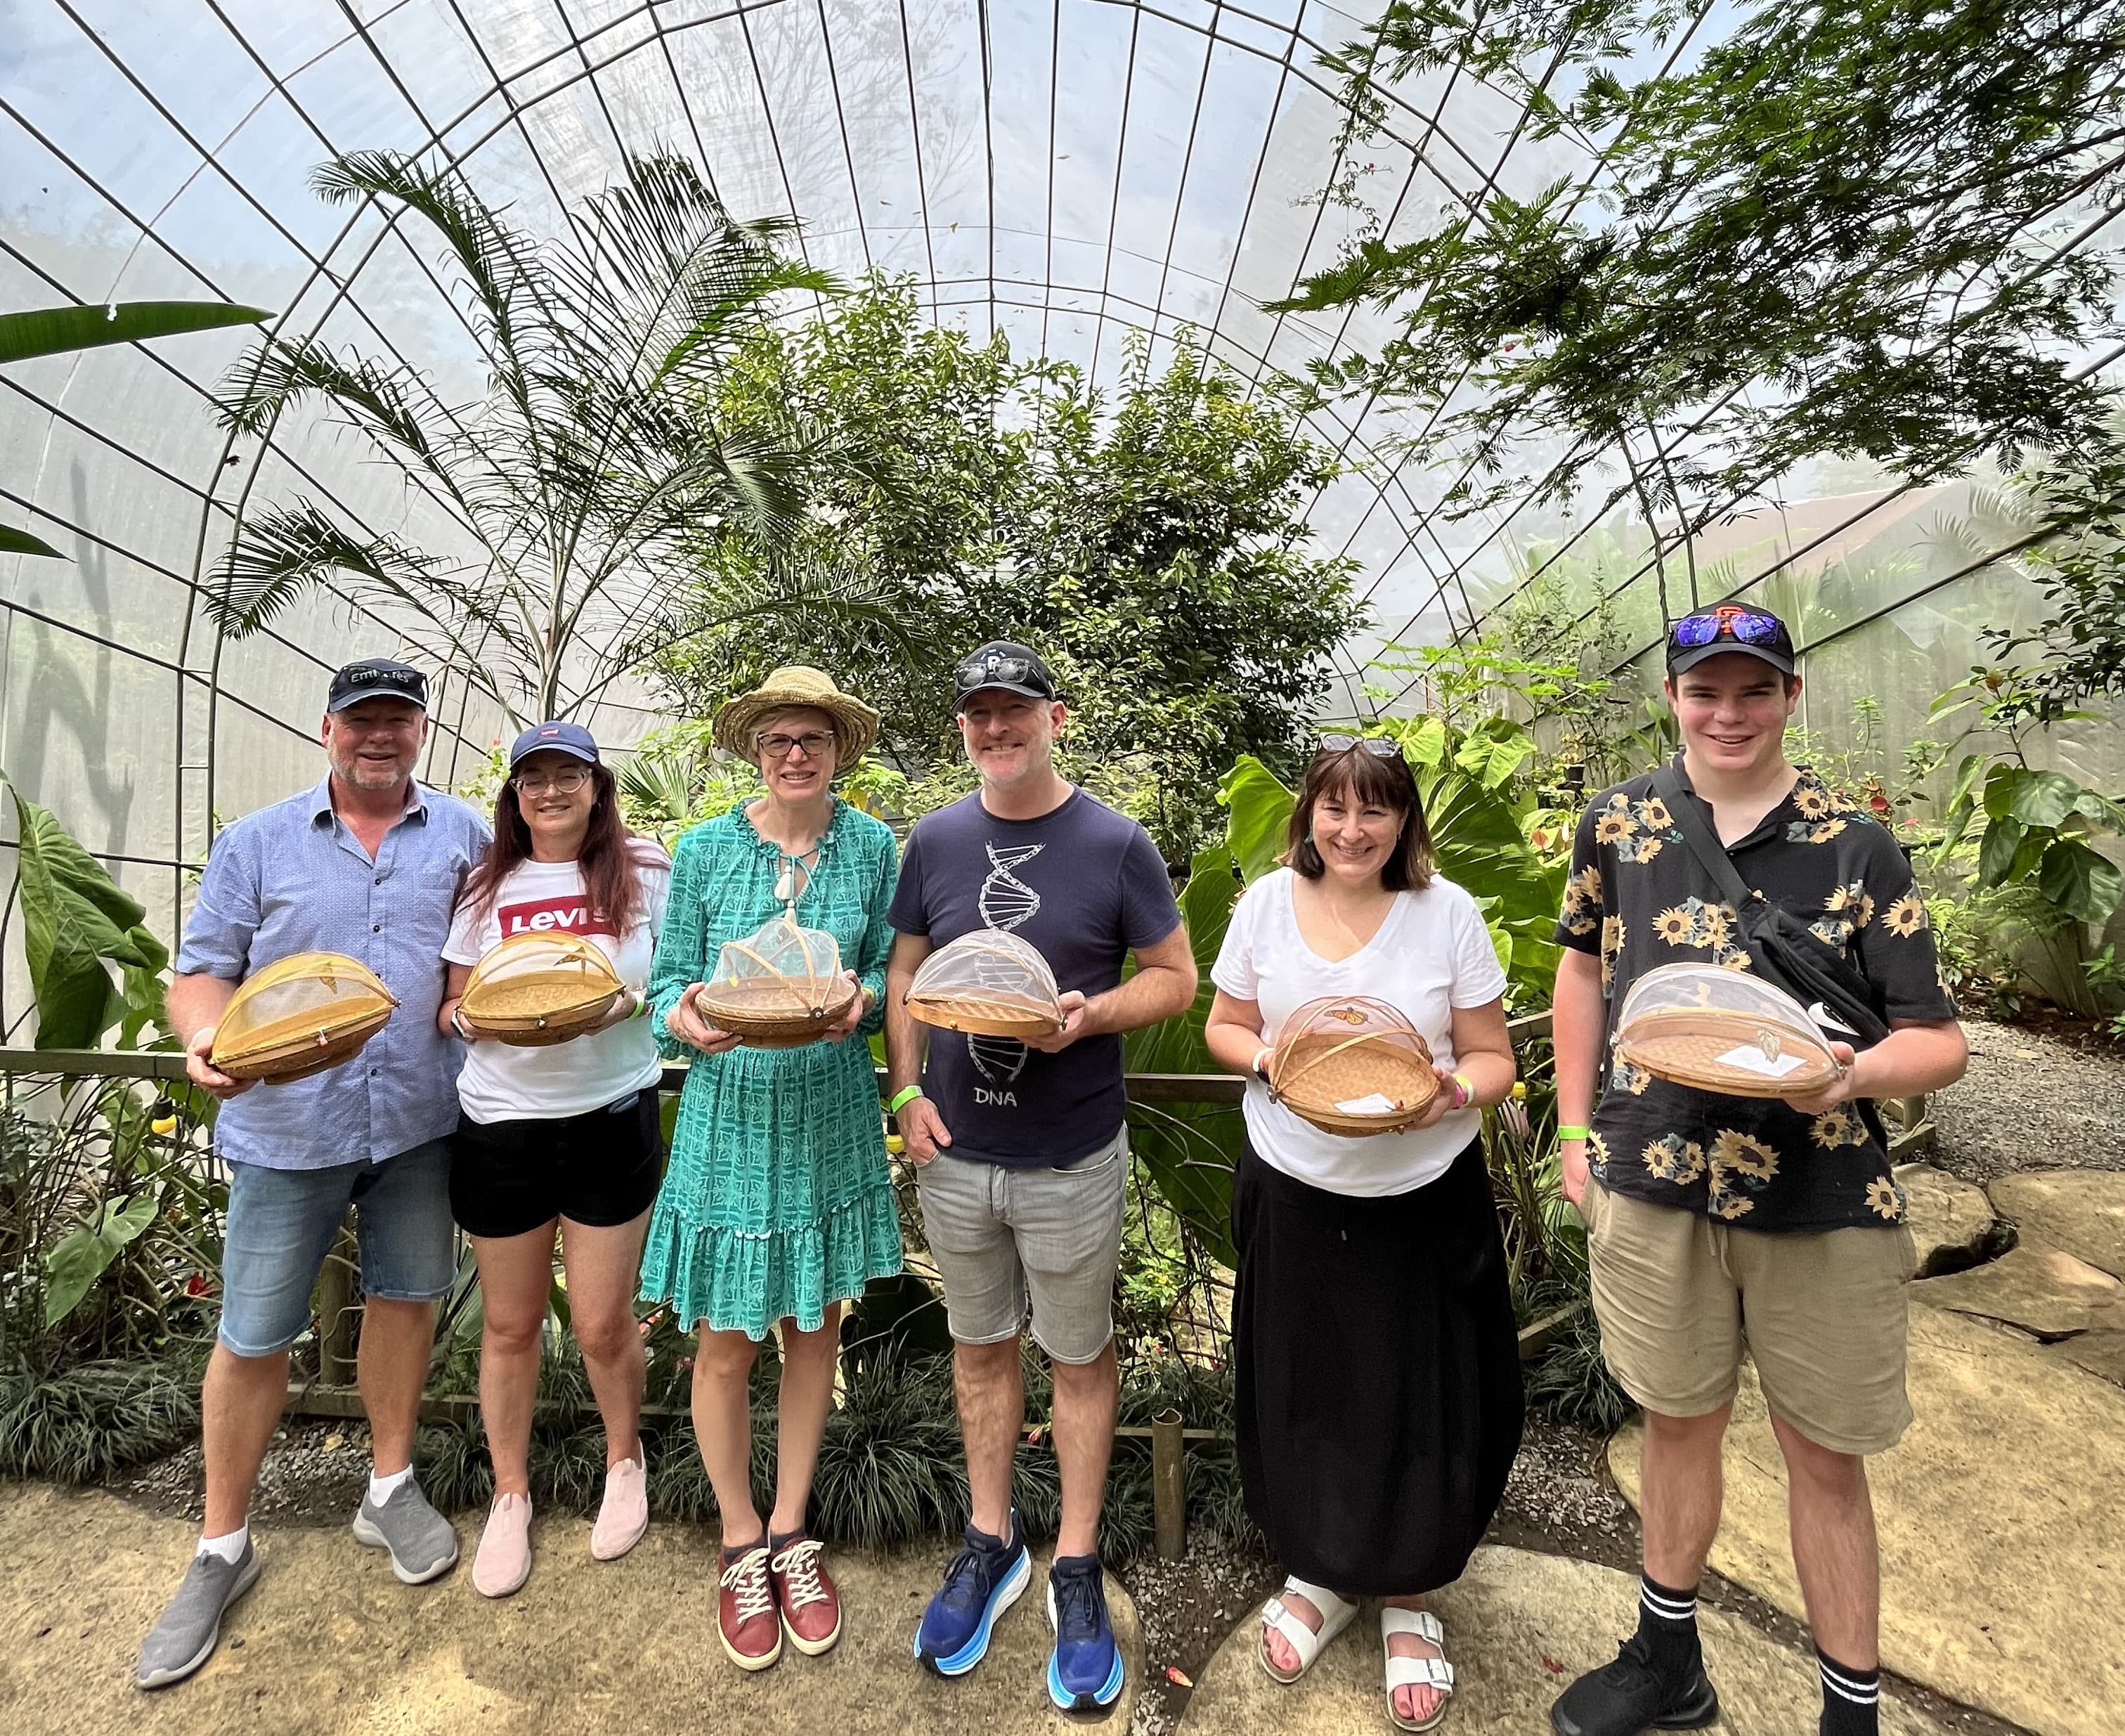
(421, 1545)
(184, 1637)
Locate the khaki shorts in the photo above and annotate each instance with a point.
(1822, 1314)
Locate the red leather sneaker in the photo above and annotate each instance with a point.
(811, 1606)
(746, 1616)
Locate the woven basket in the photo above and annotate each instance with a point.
(1313, 1071)
(995, 1014)
(772, 1013)
(1684, 1046)
(347, 1005)
(527, 1005)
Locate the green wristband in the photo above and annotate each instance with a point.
(901, 1098)
(1574, 1133)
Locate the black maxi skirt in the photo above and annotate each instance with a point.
(1377, 1375)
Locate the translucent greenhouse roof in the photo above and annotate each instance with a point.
(1065, 171)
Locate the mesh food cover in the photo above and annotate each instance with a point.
(536, 988)
(1350, 1064)
(989, 983)
(299, 1015)
(1723, 1031)
(780, 987)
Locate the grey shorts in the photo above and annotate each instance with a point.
(1003, 1237)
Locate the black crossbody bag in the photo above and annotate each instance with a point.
(1840, 999)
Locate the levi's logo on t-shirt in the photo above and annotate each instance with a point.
(568, 915)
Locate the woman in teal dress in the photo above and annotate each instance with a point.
(777, 1206)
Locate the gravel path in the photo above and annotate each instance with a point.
(2031, 1100)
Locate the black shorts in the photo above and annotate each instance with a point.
(508, 1178)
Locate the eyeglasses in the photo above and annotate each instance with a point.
(1729, 620)
(811, 743)
(567, 781)
(1379, 745)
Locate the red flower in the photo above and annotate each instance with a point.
(198, 1285)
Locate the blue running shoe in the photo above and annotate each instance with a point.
(1085, 1669)
(984, 1580)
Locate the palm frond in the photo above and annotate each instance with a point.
(278, 373)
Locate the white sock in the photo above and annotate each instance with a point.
(380, 1487)
(230, 1549)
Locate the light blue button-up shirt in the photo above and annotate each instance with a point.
(292, 878)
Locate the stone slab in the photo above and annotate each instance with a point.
(2040, 1289)
(328, 1643)
(2081, 1210)
(1519, 1627)
(2101, 1349)
(2003, 1537)
(1950, 1219)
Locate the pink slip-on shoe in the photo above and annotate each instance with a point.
(623, 1514)
(504, 1561)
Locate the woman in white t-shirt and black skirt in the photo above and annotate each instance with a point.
(565, 1138)
(1376, 1367)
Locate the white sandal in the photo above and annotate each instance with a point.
(1416, 1672)
(1336, 1615)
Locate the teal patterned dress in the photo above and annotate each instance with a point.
(776, 1202)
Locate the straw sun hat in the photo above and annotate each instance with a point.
(855, 725)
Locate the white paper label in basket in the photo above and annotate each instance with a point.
(1752, 1060)
(1378, 1104)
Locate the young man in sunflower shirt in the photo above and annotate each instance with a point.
(1715, 1221)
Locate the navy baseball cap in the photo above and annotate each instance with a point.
(377, 678)
(555, 737)
(1006, 664)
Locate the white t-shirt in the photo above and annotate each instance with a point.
(503, 1084)
(1432, 954)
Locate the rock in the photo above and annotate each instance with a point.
(1519, 1626)
(2002, 1536)
(1951, 1220)
(331, 1644)
(2041, 1290)
(2080, 1211)
(2101, 1349)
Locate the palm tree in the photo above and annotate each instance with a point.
(594, 463)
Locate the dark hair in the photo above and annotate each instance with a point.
(608, 858)
(1384, 783)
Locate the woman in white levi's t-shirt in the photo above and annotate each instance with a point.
(558, 1145)
(1377, 1387)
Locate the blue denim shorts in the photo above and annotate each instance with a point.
(281, 1224)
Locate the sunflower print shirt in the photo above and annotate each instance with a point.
(1637, 898)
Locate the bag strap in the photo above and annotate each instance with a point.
(1689, 820)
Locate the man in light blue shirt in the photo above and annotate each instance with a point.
(367, 865)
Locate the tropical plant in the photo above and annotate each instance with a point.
(77, 924)
(56, 331)
(595, 464)
(1869, 228)
(2037, 823)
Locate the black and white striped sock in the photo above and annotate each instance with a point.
(1667, 1622)
(1849, 1698)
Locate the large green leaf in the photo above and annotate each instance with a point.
(2000, 783)
(21, 542)
(1491, 754)
(2080, 882)
(2044, 799)
(1258, 816)
(1995, 851)
(73, 1265)
(53, 331)
(1191, 1149)
(74, 918)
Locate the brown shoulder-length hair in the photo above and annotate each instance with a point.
(609, 855)
(1365, 778)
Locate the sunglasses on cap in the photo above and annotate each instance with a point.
(1379, 745)
(1729, 620)
(987, 670)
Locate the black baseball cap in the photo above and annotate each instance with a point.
(377, 678)
(1740, 627)
(1003, 663)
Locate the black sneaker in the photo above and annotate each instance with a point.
(1632, 1695)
